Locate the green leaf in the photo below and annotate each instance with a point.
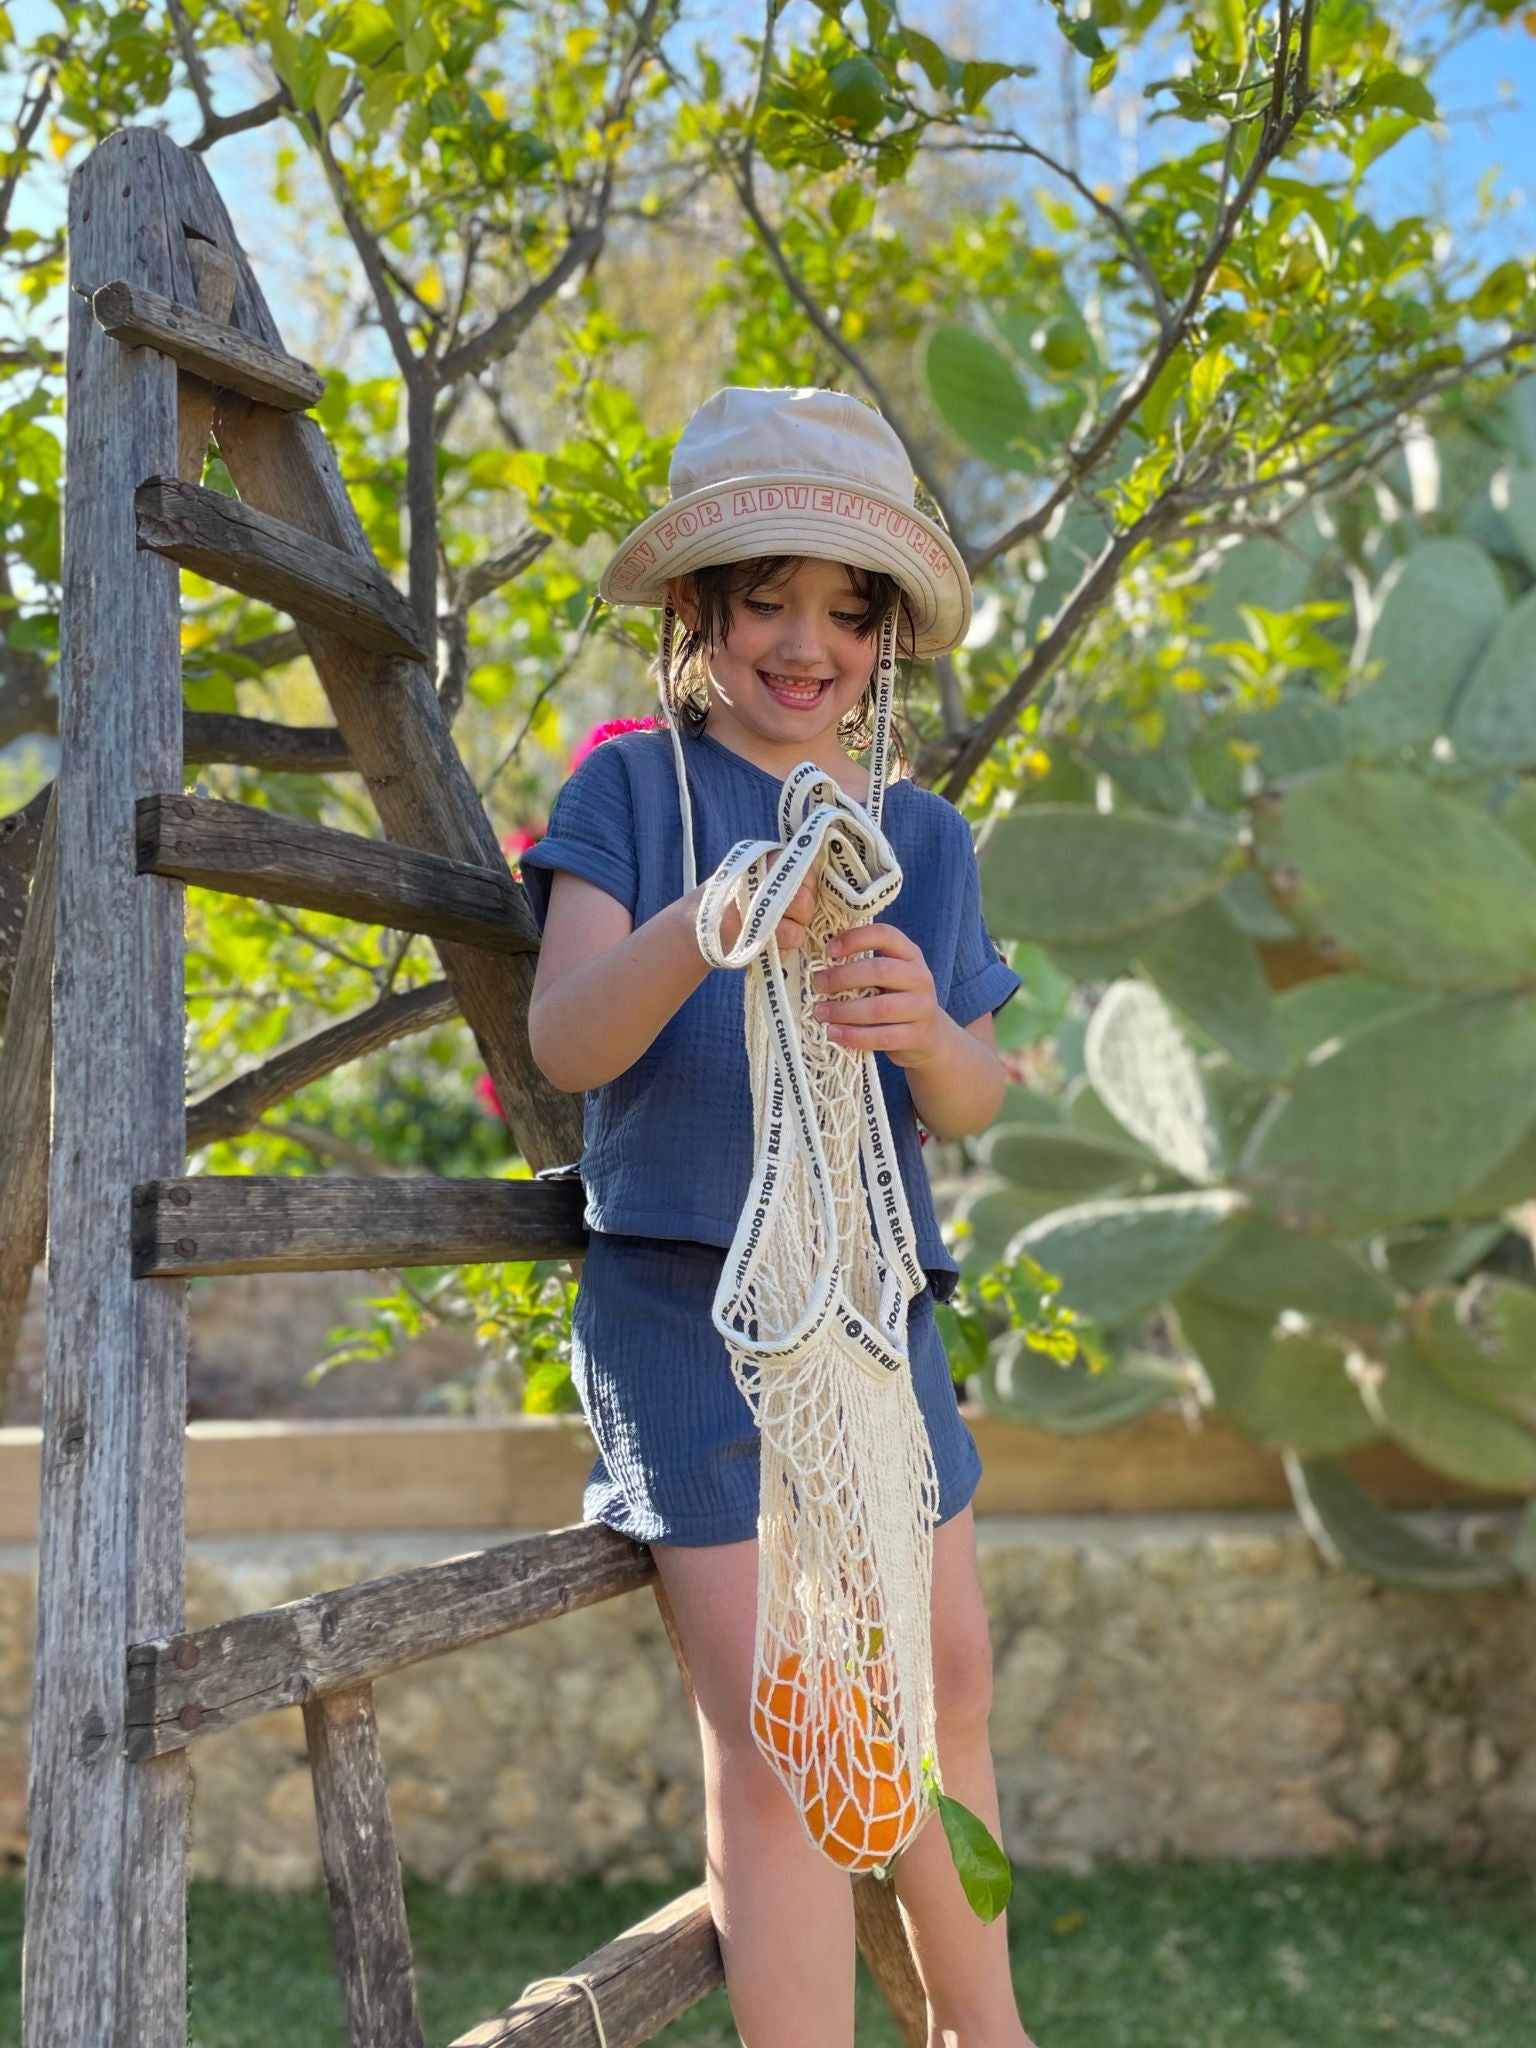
(977, 80)
(1058, 1162)
(1467, 1439)
(1440, 611)
(1418, 885)
(979, 396)
(1391, 1125)
(1481, 1342)
(1061, 873)
(1493, 723)
(1116, 1259)
(1265, 1271)
(1206, 379)
(985, 1876)
(1303, 1398)
(1337, 1006)
(1021, 1384)
(1351, 1529)
(926, 52)
(1212, 974)
(1143, 1069)
(1397, 89)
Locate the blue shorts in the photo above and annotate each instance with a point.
(678, 1451)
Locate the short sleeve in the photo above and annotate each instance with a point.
(591, 834)
(982, 980)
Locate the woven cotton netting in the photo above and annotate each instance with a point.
(812, 1305)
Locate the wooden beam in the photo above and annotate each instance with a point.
(251, 852)
(26, 1076)
(183, 1687)
(255, 1223)
(250, 551)
(203, 344)
(104, 1954)
(360, 1473)
(370, 1938)
(398, 736)
(641, 1980)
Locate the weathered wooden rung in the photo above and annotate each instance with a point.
(642, 1980)
(370, 1937)
(186, 1686)
(289, 1223)
(232, 543)
(223, 355)
(250, 852)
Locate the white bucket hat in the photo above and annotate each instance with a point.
(796, 471)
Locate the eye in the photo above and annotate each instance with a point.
(848, 618)
(759, 604)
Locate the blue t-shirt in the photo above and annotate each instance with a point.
(667, 1145)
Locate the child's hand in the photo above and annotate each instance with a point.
(797, 916)
(884, 1004)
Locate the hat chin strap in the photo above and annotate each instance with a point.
(885, 680)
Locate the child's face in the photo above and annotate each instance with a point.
(794, 665)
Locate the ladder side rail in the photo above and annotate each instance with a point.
(105, 1953)
(25, 1073)
(385, 707)
(370, 1937)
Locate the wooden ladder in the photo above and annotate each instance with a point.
(171, 342)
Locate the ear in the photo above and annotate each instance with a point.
(680, 596)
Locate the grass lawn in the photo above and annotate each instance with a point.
(1330, 1954)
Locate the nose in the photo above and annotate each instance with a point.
(800, 639)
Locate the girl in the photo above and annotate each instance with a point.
(791, 551)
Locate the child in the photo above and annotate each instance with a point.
(791, 551)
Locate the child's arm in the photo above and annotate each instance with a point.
(603, 988)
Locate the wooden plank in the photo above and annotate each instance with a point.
(370, 1938)
(250, 551)
(104, 1956)
(26, 1075)
(641, 1980)
(251, 852)
(201, 342)
(398, 736)
(183, 1687)
(254, 1223)
(216, 281)
(527, 1472)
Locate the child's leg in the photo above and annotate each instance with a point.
(784, 1913)
(963, 1961)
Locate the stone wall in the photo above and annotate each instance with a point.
(1190, 1685)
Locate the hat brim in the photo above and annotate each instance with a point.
(739, 518)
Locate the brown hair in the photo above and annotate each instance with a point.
(714, 589)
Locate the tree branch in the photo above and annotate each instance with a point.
(502, 334)
(240, 1104)
(1079, 462)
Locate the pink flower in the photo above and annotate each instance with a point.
(521, 837)
(606, 731)
(485, 1092)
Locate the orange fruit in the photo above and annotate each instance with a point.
(857, 1802)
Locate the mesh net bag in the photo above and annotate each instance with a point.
(812, 1304)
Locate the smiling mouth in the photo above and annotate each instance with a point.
(794, 689)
